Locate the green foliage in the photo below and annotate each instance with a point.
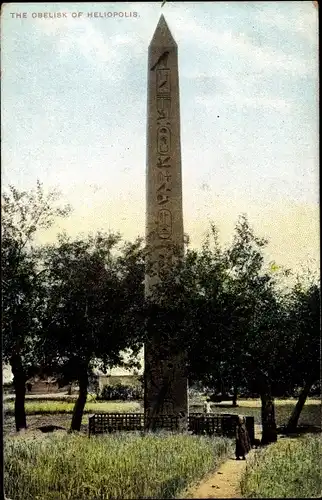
(92, 297)
(226, 298)
(287, 469)
(122, 466)
(232, 317)
(94, 289)
(121, 392)
(23, 214)
(305, 326)
(298, 338)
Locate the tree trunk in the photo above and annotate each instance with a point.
(269, 431)
(235, 395)
(81, 401)
(294, 418)
(19, 383)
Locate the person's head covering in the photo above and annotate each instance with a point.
(241, 419)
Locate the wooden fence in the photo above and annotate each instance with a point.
(198, 423)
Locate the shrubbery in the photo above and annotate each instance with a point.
(121, 392)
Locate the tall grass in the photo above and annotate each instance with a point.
(125, 466)
(291, 468)
(41, 407)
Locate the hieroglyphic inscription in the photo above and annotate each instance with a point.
(164, 161)
(164, 223)
(165, 380)
(164, 181)
(164, 185)
(163, 178)
(164, 108)
(164, 145)
(162, 61)
(162, 199)
(163, 81)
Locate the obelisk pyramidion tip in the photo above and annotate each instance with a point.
(162, 36)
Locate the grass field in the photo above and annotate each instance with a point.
(123, 466)
(46, 397)
(34, 407)
(128, 465)
(35, 421)
(290, 468)
(44, 411)
(310, 415)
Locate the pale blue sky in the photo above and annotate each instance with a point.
(74, 114)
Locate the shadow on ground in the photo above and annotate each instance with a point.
(301, 429)
(50, 428)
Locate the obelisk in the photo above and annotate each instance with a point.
(165, 367)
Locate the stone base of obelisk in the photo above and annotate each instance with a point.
(165, 386)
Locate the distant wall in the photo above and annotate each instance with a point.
(43, 387)
(37, 386)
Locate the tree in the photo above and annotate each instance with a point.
(93, 299)
(231, 317)
(23, 214)
(237, 319)
(255, 315)
(256, 335)
(304, 322)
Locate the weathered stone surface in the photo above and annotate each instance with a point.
(165, 378)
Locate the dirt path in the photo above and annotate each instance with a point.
(224, 482)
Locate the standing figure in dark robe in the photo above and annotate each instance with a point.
(243, 444)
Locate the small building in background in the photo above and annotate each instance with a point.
(49, 385)
(116, 376)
